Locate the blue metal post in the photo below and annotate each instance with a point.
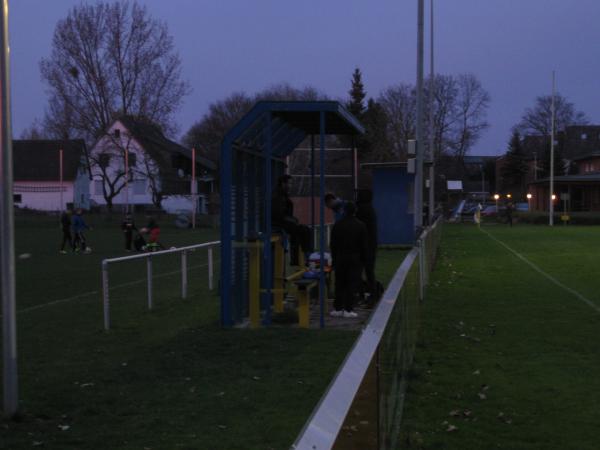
(225, 183)
(312, 183)
(267, 254)
(322, 221)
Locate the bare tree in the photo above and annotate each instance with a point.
(470, 108)
(110, 59)
(207, 134)
(460, 106)
(537, 120)
(34, 131)
(399, 104)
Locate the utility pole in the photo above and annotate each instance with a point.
(418, 200)
(431, 128)
(7, 230)
(553, 110)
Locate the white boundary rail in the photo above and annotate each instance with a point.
(322, 428)
(148, 257)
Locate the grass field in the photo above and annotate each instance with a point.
(163, 379)
(509, 358)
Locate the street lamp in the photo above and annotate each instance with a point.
(529, 202)
(553, 197)
(508, 196)
(496, 197)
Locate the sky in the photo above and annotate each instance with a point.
(512, 46)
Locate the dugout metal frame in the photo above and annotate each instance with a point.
(252, 158)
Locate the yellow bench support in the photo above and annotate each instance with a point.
(304, 286)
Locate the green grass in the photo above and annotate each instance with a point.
(163, 379)
(492, 325)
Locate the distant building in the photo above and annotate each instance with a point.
(160, 169)
(37, 175)
(578, 185)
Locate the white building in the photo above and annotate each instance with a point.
(37, 174)
(159, 170)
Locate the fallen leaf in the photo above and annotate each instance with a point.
(64, 427)
(223, 427)
(37, 443)
(255, 378)
(455, 413)
(477, 372)
(451, 428)
(482, 396)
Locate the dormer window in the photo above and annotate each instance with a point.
(117, 133)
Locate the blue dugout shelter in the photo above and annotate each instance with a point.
(252, 158)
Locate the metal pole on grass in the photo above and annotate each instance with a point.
(418, 202)
(210, 268)
(149, 272)
(431, 130)
(184, 275)
(194, 189)
(7, 249)
(551, 218)
(105, 298)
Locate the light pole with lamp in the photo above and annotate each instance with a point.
(496, 197)
(529, 202)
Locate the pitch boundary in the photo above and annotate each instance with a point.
(535, 267)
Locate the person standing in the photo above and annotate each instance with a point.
(366, 214)
(335, 204)
(349, 249)
(128, 227)
(79, 226)
(65, 223)
(509, 213)
(282, 216)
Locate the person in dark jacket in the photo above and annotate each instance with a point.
(282, 216)
(128, 227)
(335, 204)
(65, 223)
(349, 249)
(366, 214)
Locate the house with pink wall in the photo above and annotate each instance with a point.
(50, 175)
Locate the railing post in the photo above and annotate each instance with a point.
(149, 272)
(210, 268)
(184, 275)
(105, 298)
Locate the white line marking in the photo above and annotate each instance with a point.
(588, 302)
(87, 294)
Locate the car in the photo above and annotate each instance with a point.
(522, 207)
(490, 210)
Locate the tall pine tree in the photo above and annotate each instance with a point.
(515, 166)
(357, 94)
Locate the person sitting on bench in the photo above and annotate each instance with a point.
(282, 216)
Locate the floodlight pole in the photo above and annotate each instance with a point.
(419, 134)
(194, 189)
(7, 249)
(431, 128)
(553, 111)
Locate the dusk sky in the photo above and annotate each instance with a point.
(512, 46)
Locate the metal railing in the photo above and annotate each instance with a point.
(149, 272)
(372, 379)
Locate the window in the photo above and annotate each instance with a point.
(131, 159)
(17, 198)
(139, 187)
(98, 187)
(104, 160)
(117, 133)
(583, 136)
